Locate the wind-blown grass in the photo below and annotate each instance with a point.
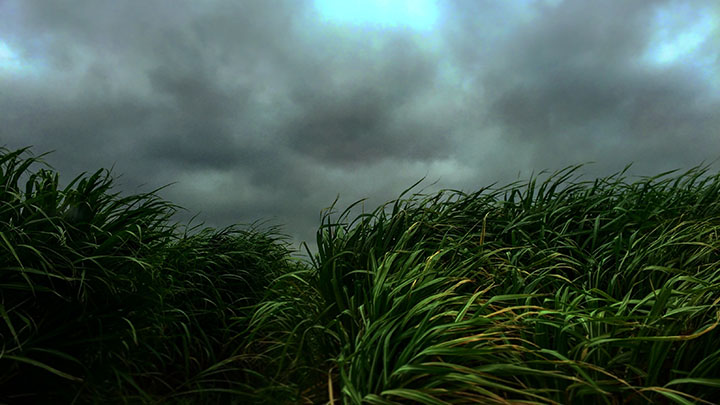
(102, 300)
(601, 294)
(563, 292)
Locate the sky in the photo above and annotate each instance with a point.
(267, 110)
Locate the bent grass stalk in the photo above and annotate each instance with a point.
(580, 292)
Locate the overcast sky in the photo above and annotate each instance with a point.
(269, 109)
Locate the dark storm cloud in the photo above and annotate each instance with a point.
(360, 122)
(576, 64)
(198, 130)
(573, 76)
(359, 129)
(259, 110)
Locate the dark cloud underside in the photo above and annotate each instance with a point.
(261, 109)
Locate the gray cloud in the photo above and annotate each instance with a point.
(260, 110)
(574, 77)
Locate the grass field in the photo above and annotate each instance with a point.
(597, 292)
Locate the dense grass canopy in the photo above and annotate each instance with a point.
(563, 292)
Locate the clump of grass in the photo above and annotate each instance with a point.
(101, 299)
(562, 292)
(600, 294)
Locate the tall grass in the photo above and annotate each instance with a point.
(590, 292)
(101, 300)
(553, 293)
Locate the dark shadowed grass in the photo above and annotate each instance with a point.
(102, 300)
(76, 282)
(561, 292)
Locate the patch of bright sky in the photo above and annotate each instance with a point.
(684, 35)
(9, 59)
(12, 62)
(416, 14)
(680, 31)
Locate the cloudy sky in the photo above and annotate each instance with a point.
(269, 109)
